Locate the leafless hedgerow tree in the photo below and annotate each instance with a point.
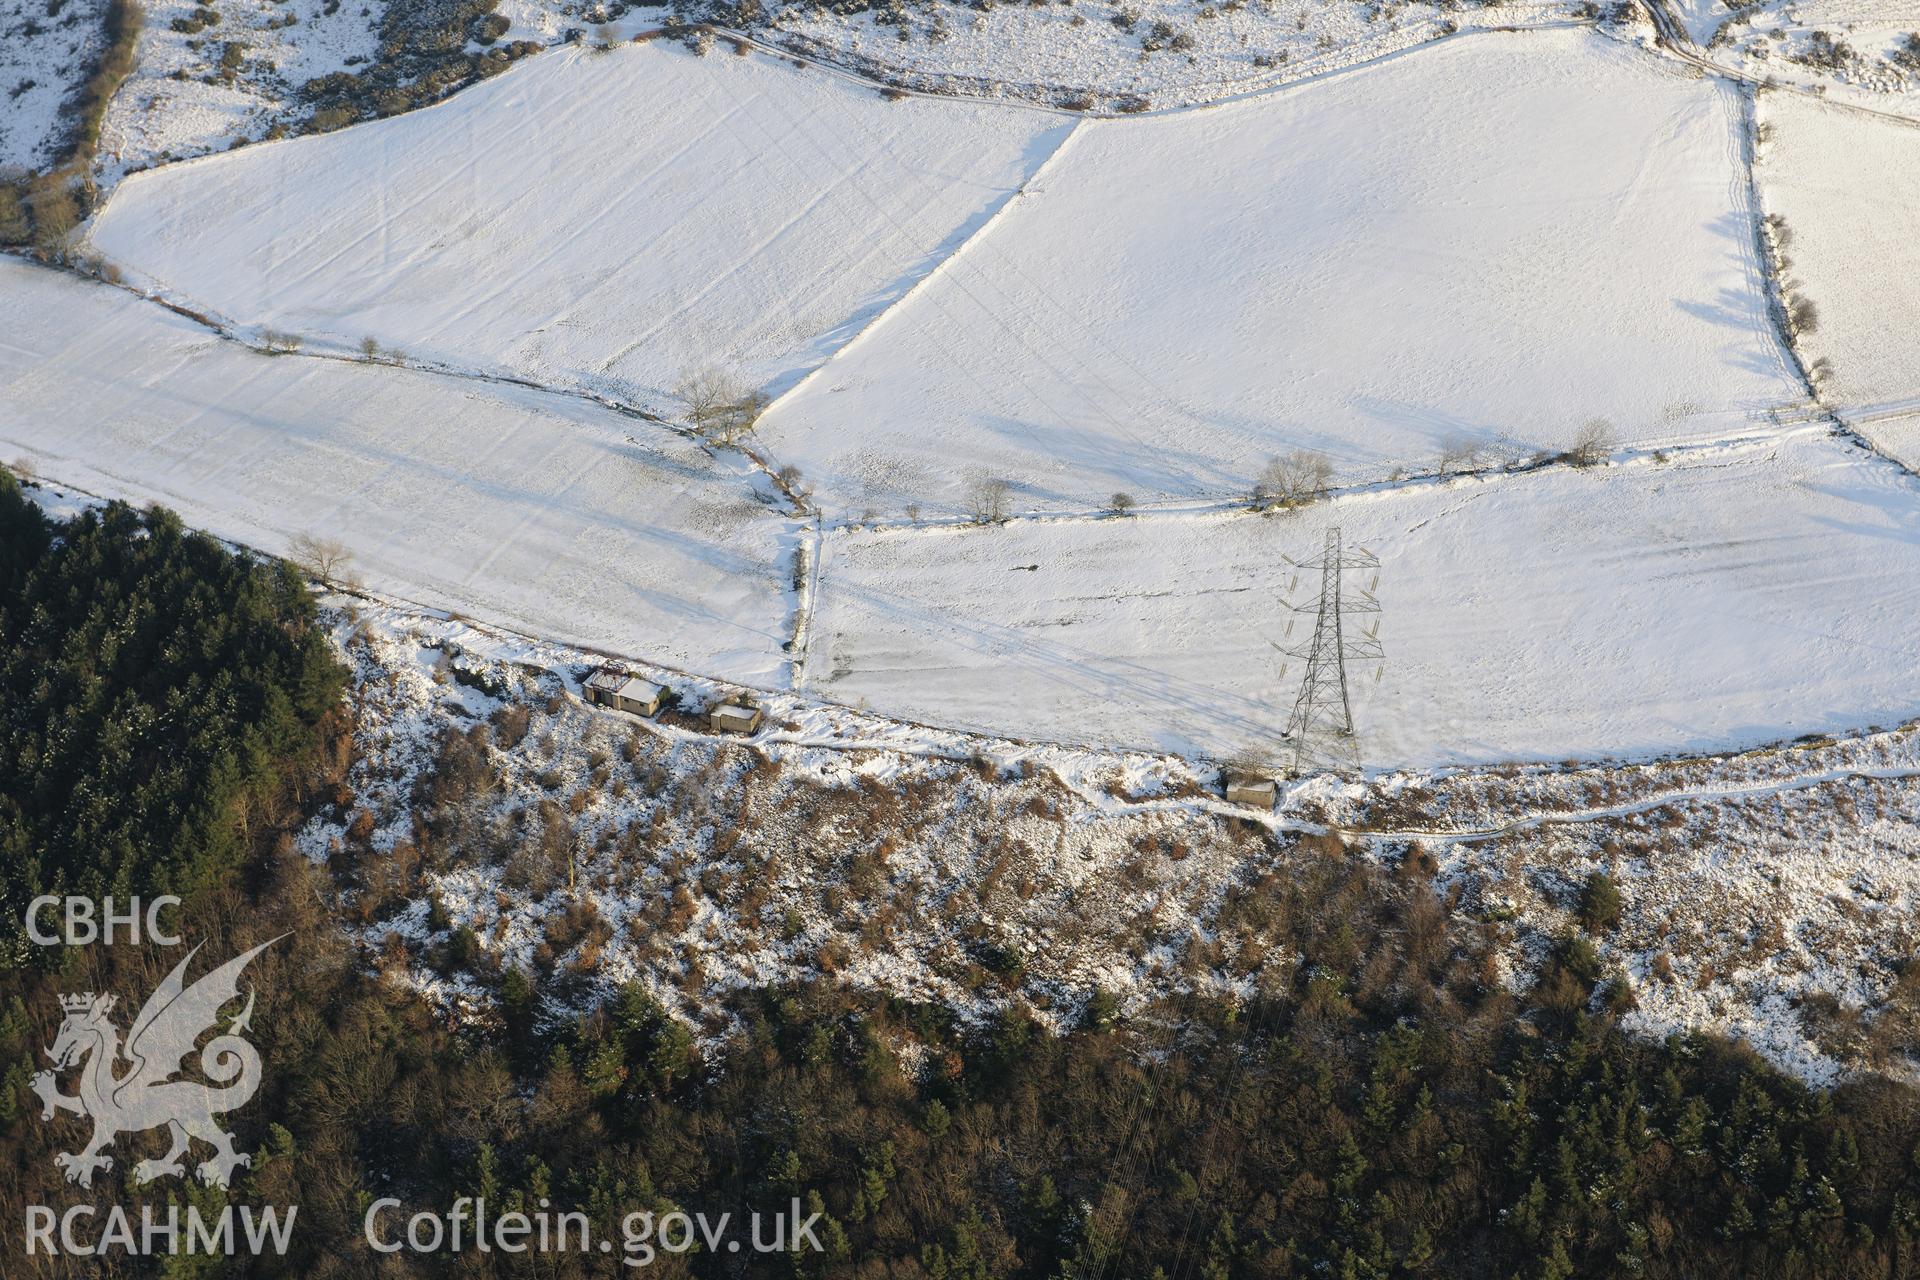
(719, 404)
(1591, 444)
(1461, 453)
(1121, 504)
(1803, 316)
(23, 468)
(987, 500)
(1292, 480)
(325, 559)
(794, 485)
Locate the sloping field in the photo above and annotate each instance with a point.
(1848, 186)
(535, 510)
(1506, 235)
(597, 220)
(1753, 594)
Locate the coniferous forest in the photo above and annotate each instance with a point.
(169, 710)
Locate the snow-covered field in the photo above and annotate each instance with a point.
(47, 50)
(1501, 237)
(592, 220)
(1735, 596)
(1847, 185)
(539, 511)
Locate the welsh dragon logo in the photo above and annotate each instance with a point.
(147, 1094)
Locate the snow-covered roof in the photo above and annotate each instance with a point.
(634, 689)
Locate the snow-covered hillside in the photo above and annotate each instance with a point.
(1865, 52)
(1128, 56)
(213, 72)
(47, 53)
(591, 220)
(1772, 897)
(1488, 245)
(1498, 239)
(541, 511)
(988, 564)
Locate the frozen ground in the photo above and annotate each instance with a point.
(1501, 237)
(47, 50)
(539, 511)
(1854, 50)
(1158, 53)
(1847, 185)
(1733, 595)
(189, 96)
(590, 220)
(1165, 53)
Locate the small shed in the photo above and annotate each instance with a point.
(1248, 788)
(734, 717)
(610, 688)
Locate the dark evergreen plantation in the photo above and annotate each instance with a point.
(153, 688)
(170, 711)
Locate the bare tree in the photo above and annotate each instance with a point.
(743, 415)
(987, 499)
(1121, 504)
(1253, 762)
(23, 468)
(1591, 444)
(719, 404)
(794, 485)
(701, 393)
(1782, 233)
(1293, 480)
(1460, 453)
(326, 559)
(1803, 316)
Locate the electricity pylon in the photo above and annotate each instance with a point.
(1321, 727)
